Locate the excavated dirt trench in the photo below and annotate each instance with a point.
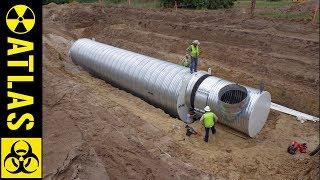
(96, 131)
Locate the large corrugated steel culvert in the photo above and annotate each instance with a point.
(173, 88)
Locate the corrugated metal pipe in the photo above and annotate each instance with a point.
(173, 88)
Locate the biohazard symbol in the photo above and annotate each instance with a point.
(20, 19)
(21, 158)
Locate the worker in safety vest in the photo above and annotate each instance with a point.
(193, 51)
(209, 119)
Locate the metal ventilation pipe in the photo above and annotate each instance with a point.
(173, 88)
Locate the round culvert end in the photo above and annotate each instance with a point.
(233, 99)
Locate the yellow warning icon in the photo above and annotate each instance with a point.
(20, 19)
(21, 158)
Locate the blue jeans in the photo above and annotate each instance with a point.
(206, 136)
(193, 65)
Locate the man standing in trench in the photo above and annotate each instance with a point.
(208, 119)
(193, 51)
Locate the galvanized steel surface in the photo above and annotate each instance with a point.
(156, 81)
(247, 116)
(162, 83)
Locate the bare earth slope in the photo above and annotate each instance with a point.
(96, 131)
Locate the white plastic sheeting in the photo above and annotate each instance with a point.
(302, 117)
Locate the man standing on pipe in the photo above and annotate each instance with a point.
(208, 119)
(193, 51)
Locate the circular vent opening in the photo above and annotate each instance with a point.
(233, 94)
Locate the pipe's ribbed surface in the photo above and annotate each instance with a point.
(154, 80)
(173, 88)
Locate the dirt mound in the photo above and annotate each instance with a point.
(310, 170)
(96, 131)
(306, 7)
(72, 18)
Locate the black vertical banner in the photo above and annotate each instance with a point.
(21, 89)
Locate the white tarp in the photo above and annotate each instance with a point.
(302, 117)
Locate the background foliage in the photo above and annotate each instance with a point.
(199, 4)
(192, 4)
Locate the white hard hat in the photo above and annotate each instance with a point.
(207, 108)
(196, 42)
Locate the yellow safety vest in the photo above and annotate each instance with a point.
(194, 51)
(208, 119)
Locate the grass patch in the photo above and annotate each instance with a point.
(149, 4)
(86, 1)
(289, 16)
(263, 4)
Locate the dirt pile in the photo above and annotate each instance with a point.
(306, 7)
(96, 131)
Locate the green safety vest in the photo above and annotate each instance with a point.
(208, 119)
(194, 51)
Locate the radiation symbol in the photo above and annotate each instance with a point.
(20, 19)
